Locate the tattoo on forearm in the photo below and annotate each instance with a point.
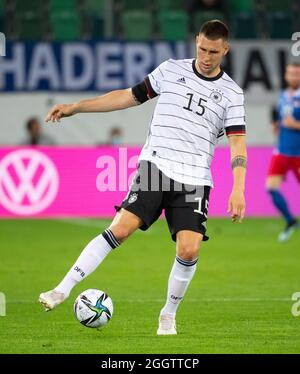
(239, 161)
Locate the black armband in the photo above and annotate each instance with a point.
(143, 91)
(235, 130)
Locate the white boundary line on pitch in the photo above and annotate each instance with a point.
(88, 222)
(81, 222)
(212, 300)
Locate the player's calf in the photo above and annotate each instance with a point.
(123, 225)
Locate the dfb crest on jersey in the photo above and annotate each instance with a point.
(132, 198)
(216, 96)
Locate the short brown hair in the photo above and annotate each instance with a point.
(215, 29)
(295, 64)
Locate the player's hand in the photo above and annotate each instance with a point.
(289, 122)
(275, 128)
(60, 111)
(236, 206)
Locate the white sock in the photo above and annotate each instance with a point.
(90, 258)
(181, 274)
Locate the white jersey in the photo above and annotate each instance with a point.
(191, 113)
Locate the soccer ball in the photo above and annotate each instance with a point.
(93, 308)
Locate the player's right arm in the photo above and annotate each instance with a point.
(114, 100)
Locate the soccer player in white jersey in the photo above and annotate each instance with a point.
(197, 103)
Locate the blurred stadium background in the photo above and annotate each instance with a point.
(63, 51)
(108, 57)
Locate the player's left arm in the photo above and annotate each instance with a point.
(236, 202)
(291, 123)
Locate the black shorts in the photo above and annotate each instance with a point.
(152, 192)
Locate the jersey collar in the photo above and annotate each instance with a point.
(206, 78)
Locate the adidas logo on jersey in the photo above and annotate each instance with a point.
(181, 80)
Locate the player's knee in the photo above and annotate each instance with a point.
(270, 186)
(187, 251)
(121, 232)
(273, 183)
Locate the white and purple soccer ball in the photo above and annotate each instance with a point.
(93, 308)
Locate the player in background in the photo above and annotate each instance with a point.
(286, 157)
(197, 102)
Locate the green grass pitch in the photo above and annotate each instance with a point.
(239, 300)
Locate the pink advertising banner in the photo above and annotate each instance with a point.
(89, 181)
